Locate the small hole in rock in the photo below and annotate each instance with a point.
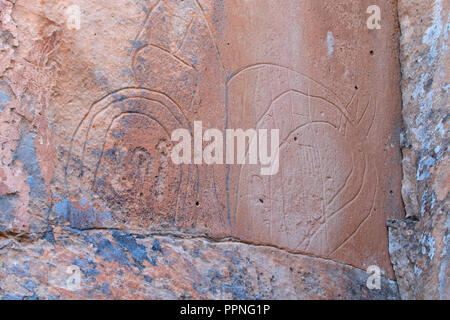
(372, 52)
(261, 200)
(197, 204)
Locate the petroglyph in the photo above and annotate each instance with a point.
(87, 181)
(128, 131)
(315, 204)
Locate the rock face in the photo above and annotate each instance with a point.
(419, 248)
(120, 265)
(92, 205)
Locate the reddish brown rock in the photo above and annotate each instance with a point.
(91, 114)
(189, 62)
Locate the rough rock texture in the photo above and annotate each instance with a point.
(419, 246)
(86, 175)
(119, 265)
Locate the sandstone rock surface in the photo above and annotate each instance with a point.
(419, 250)
(86, 175)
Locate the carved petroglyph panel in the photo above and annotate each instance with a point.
(89, 97)
(176, 53)
(175, 56)
(310, 205)
(121, 153)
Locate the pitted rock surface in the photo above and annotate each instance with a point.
(86, 175)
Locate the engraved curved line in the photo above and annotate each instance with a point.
(344, 112)
(103, 150)
(357, 194)
(219, 55)
(178, 196)
(215, 187)
(362, 222)
(126, 89)
(187, 182)
(344, 186)
(324, 212)
(228, 177)
(205, 22)
(287, 140)
(293, 131)
(146, 20)
(178, 59)
(280, 96)
(113, 102)
(341, 122)
(136, 52)
(122, 114)
(365, 110)
(258, 66)
(270, 64)
(283, 205)
(140, 96)
(349, 104)
(308, 247)
(144, 25)
(236, 193)
(82, 121)
(196, 91)
(338, 193)
(188, 29)
(373, 120)
(343, 207)
(189, 65)
(172, 10)
(351, 101)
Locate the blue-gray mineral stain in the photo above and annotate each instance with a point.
(26, 153)
(123, 246)
(137, 251)
(7, 211)
(148, 279)
(79, 218)
(87, 266)
(156, 246)
(108, 251)
(106, 289)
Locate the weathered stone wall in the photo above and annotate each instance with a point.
(91, 205)
(419, 246)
